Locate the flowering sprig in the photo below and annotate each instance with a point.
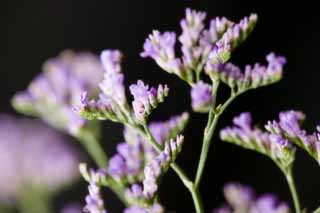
(253, 77)
(94, 201)
(241, 198)
(273, 145)
(198, 45)
(289, 126)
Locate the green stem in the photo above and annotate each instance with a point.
(293, 191)
(94, 148)
(207, 138)
(317, 210)
(34, 200)
(184, 178)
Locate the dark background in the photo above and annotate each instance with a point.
(39, 29)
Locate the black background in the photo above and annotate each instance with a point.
(39, 29)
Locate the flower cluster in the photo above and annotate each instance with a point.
(198, 45)
(28, 156)
(273, 145)
(112, 102)
(145, 99)
(54, 93)
(160, 165)
(241, 198)
(253, 77)
(94, 201)
(289, 127)
(201, 97)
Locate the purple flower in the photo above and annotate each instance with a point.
(273, 145)
(57, 90)
(241, 198)
(94, 201)
(160, 165)
(145, 99)
(289, 127)
(253, 77)
(238, 32)
(201, 97)
(111, 103)
(28, 155)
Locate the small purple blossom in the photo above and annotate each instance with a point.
(201, 97)
(241, 198)
(145, 99)
(56, 91)
(155, 208)
(159, 165)
(94, 201)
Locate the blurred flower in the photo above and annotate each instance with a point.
(54, 93)
(275, 146)
(201, 97)
(241, 199)
(72, 208)
(156, 208)
(31, 154)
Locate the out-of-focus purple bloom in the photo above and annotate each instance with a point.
(145, 99)
(127, 163)
(201, 97)
(72, 208)
(155, 208)
(241, 198)
(94, 201)
(56, 91)
(273, 145)
(28, 155)
(159, 165)
(253, 77)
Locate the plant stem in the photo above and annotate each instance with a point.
(317, 210)
(207, 138)
(184, 178)
(94, 148)
(293, 191)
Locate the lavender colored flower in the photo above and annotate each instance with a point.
(241, 198)
(112, 102)
(253, 77)
(127, 163)
(146, 99)
(94, 202)
(72, 208)
(56, 91)
(201, 97)
(238, 32)
(160, 47)
(159, 165)
(28, 155)
(197, 43)
(273, 145)
(289, 127)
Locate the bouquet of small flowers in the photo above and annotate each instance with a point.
(76, 91)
